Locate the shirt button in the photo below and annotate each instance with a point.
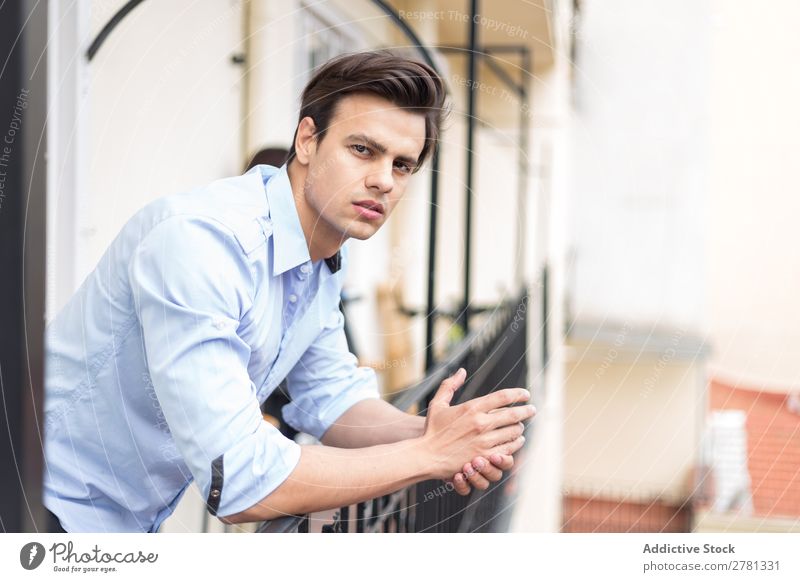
(305, 269)
(293, 298)
(215, 493)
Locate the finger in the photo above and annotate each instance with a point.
(475, 478)
(502, 462)
(502, 398)
(461, 485)
(447, 388)
(510, 415)
(509, 448)
(505, 434)
(485, 468)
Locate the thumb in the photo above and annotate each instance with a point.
(448, 388)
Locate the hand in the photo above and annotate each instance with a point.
(480, 473)
(481, 427)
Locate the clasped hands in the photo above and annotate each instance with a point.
(487, 430)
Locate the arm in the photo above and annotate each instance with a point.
(373, 422)
(192, 284)
(326, 478)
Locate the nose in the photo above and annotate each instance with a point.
(380, 180)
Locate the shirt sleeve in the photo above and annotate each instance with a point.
(191, 285)
(327, 381)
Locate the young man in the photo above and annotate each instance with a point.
(206, 301)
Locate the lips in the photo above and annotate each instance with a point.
(370, 205)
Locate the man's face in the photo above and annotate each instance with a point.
(360, 169)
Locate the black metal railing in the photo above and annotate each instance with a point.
(494, 354)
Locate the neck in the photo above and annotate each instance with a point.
(326, 241)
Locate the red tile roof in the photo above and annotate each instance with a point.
(773, 446)
(592, 514)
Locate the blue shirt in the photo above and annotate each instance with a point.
(157, 366)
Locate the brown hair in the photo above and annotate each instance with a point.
(269, 156)
(402, 81)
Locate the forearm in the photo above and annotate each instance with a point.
(373, 422)
(328, 477)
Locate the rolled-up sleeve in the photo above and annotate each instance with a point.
(327, 381)
(192, 285)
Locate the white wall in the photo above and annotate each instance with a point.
(166, 111)
(626, 207)
(754, 240)
(69, 33)
(272, 100)
(631, 429)
(639, 166)
(540, 468)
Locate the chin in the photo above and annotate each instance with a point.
(361, 234)
(360, 231)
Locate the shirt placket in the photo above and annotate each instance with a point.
(296, 298)
(300, 286)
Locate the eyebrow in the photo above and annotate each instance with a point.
(380, 147)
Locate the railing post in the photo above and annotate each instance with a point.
(431, 292)
(471, 105)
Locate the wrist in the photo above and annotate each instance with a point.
(416, 426)
(424, 459)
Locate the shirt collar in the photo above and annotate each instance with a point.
(290, 248)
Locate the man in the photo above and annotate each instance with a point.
(206, 301)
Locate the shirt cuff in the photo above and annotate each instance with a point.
(315, 416)
(252, 469)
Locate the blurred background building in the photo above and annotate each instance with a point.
(682, 263)
(632, 170)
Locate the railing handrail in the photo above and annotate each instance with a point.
(407, 397)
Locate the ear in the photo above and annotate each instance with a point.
(305, 144)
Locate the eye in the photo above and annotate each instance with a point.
(360, 149)
(404, 167)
